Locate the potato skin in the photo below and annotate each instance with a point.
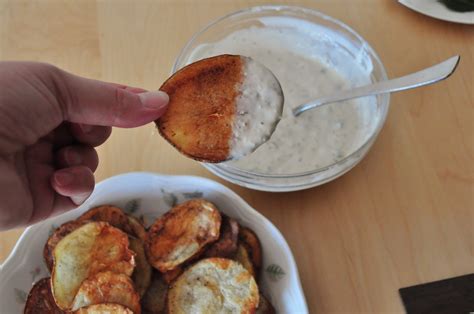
(171, 275)
(181, 234)
(40, 299)
(249, 239)
(154, 300)
(264, 306)
(143, 272)
(115, 217)
(242, 255)
(202, 102)
(138, 230)
(226, 245)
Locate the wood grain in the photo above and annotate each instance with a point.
(403, 216)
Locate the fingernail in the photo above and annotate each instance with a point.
(72, 157)
(154, 99)
(63, 178)
(85, 128)
(80, 198)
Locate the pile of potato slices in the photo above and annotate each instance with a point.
(192, 259)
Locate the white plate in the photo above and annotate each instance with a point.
(150, 195)
(436, 9)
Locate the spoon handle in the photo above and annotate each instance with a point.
(424, 77)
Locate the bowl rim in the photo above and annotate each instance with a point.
(18, 252)
(385, 98)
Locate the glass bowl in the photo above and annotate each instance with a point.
(342, 41)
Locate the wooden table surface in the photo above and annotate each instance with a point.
(403, 216)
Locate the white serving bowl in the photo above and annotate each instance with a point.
(150, 195)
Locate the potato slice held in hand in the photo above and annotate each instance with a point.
(182, 233)
(221, 108)
(95, 247)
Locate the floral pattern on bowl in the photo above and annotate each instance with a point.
(147, 196)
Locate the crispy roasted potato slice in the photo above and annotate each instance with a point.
(138, 230)
(57, 235)
(171, 275)
(264, 306)
(226, 245)
(242, 256)
(214, 285)
(107, 308)
(115, 217)
(107, 287)
(142, 274)
(92, 248)
(182, 233)
(110, 214)
(215, 102)
(40, 299)
(154, 300)
(248, 238)
(202, 103)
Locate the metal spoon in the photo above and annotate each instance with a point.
(424, 77)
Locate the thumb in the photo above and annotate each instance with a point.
(94, 102)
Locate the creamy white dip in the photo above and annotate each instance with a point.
(317, 138)
(259, 108)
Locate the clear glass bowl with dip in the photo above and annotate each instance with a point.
(312, 55)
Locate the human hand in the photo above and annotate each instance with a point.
(50, 122)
